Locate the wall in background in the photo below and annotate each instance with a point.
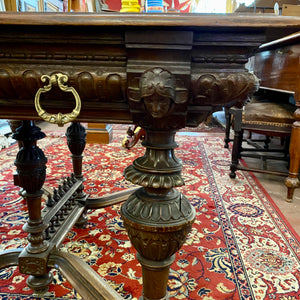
(182, 6)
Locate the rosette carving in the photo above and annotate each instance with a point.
(223, 88)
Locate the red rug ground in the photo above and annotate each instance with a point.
(240, 246)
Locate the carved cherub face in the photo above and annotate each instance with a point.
(158, 106)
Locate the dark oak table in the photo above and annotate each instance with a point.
(161, 72)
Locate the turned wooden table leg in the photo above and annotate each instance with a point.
(31, 168)
(157, 217)
(76, 140)
(292, 181)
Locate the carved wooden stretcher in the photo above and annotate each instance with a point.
(161, 72)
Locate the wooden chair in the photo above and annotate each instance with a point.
(262, 118)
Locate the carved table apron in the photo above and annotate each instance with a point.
(161, 72)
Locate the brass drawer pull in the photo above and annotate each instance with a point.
(59, 118)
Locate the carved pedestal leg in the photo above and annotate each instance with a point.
(31, 168)
(76, 139)
(157, 217)
(292, 180)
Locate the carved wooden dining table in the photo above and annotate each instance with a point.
(161, 72)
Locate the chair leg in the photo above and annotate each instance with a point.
(237, 141)
(292, 180)
(227, 128)
(267, 142)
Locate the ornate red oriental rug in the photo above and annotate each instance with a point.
(240, 247)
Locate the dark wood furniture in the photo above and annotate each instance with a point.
(168, 72)
(277, 65)
(263, 118)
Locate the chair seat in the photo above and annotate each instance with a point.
(272, 117)
(266, 116)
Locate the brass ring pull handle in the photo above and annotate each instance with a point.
(60, 119)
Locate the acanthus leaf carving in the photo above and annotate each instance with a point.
(223, 88)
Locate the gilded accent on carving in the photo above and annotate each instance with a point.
(223, 88)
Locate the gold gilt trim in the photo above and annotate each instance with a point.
(276, 124)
